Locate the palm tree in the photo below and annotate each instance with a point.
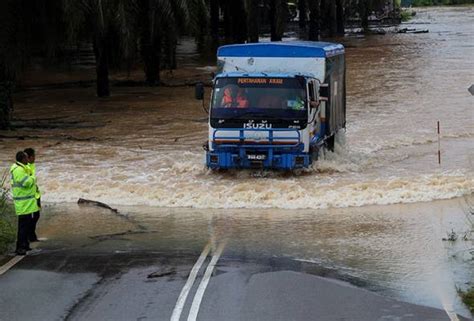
(27, 28)
(302, 5)
(199, 23)
(252, 8)
(160, 22)
(332, 21)
(214, 23)
(340, 16)
(314, 20)
(98, 21)
(8, 60)
(278, 16)
(235, 20)
(365, 6)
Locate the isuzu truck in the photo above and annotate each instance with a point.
(274, 105)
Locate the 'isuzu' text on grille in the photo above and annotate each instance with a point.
(257, 126)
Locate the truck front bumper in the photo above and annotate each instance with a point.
(257, 159)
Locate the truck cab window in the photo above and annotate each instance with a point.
(258, 93)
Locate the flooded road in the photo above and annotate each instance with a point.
(143, 146)
(141, 150)
(395, 251)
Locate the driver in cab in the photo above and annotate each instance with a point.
(234, 98)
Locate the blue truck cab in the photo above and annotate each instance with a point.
(275, 105)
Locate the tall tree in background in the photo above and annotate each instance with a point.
(214, 17)
(98, 21)
(11, 51)
(199, 23)
(314, 20)
(332, 21)
(302, 8)
(26, 28)
(278, 16)
(239, 21)
(160, 22)
(235, 21)
(365, 6)
(227, 15)
(252, 8)
(340, 17)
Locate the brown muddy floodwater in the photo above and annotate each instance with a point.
(142, 147)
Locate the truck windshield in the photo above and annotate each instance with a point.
(262, 96)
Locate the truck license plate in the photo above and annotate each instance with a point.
(259, 157)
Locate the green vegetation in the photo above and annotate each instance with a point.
(406, 15)
(422, 3)
(7, 228)
(468, 298)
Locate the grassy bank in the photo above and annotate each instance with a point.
(406, 15)
(468, 298)
(7, 218)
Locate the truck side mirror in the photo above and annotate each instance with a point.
(316, 88)
(199, 91)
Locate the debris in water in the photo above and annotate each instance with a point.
(471, 89)
(452, 237)
(159, 274)
(408, 30)
(95, 203)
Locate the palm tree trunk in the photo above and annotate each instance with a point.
(227, 8)
(6, 103)
(214, 12)
(102, 67)
(151, 46)
(252, 20)
(278, 15)
(101, 53)
(364, 11)
(302, 9)
(332, 17)
(314, 22)
(152, 60)
(239, 29)
(340, 17)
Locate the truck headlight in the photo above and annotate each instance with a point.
(214, 159)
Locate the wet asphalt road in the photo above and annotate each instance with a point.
(98, 265)
(59, 284)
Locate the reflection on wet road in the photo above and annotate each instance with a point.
(395, 251)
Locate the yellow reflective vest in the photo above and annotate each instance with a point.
(23, 189)
(32, 170)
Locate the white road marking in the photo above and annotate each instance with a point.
(178, 309)
(7, 266)
(193, 313)
(450, 311)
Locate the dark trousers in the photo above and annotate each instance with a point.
(32, 237)
(24, 230)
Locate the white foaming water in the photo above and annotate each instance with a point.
(171, 179)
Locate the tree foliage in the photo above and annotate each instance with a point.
(27, 29)
(126, 33)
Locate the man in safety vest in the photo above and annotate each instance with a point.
(30, 152)
(24, 197)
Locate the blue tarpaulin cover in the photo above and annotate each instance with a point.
(282, 49)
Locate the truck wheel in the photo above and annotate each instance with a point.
(330, 142)
(314, 153)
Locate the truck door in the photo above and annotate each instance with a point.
(313, 96)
